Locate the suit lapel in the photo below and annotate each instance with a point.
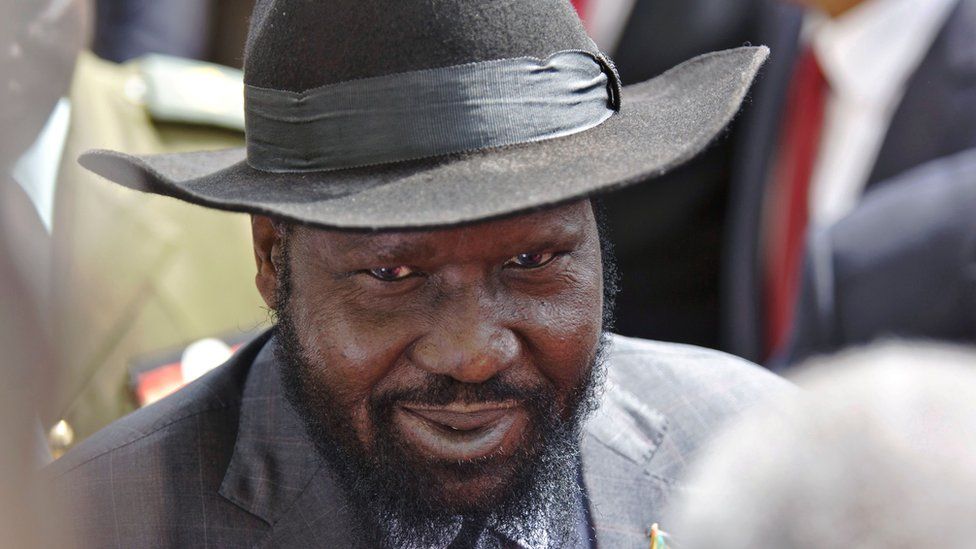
(624, 493)
(939, 100)
(275, 472)
(318, 518)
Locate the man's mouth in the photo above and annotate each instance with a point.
(462, 431)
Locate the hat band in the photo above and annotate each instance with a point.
(428, 113)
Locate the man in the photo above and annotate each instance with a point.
(99, 315)
(902, 264)
(857, 92)
(110, 315)
(422, 231)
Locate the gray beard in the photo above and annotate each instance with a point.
(394, 504)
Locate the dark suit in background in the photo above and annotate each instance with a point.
(208, 30)
(936, 117)
(126, 29)
(667, 233)
(902, 264)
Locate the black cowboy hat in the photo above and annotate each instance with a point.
(398, 114)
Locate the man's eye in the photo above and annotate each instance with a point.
(391, 274)
(530, 261)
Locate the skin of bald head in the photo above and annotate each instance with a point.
(877, 451)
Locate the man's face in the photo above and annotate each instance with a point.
(455, 350)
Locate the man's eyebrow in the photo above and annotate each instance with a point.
(395, 247)
(374, 248)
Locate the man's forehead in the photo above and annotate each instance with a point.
(542, 228)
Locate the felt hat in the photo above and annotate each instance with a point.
(396, 114)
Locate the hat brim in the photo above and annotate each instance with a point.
(662, 123)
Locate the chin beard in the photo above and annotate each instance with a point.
(534, 496)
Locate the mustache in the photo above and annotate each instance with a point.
(441, 390)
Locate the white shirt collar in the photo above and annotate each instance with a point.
(869, 52)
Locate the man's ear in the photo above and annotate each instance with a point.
(268, 240)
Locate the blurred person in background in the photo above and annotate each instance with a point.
(40, 41)
(878, 451)
(206, 30)
(127, 29)
(103, 316)
(902, 264)
(856, 92)
(38, 45)
(648, 37)
(136, 279)
(667, 234)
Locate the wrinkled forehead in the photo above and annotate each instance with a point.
(567, 226)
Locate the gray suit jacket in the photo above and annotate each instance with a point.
(226, 463)
(936, 118)
(902, 264)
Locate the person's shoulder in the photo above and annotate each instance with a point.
(717, 380)
(208, 406)
(157, 473)
(691, 390)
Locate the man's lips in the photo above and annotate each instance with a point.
(463, 417)
(461, 432)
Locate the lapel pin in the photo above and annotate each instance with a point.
(659, 538)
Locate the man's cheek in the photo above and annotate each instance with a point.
(566, 337)
(568, 321)
(361, 423)
(348, 400)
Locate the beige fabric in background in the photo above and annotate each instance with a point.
(135, 274)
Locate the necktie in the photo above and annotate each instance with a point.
(787, 206)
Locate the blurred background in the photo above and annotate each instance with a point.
(836, 210)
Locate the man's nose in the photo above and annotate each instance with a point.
(472, 346)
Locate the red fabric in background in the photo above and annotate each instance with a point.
(788, 207)
(580, 6)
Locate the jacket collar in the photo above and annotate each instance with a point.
(273, 460)
(624, 485)
(276, 474)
